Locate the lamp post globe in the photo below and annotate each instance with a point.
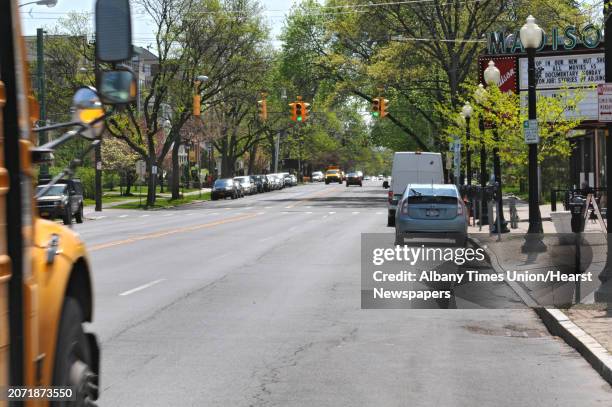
(531, 34)
(480, 94)
(492, 75)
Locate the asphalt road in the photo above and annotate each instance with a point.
(256, 302)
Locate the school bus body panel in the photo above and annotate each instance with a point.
(52, 281)
(43, 285)
(5, 261)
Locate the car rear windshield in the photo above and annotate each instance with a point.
(223, 182)
(429, 199)
(332, 171)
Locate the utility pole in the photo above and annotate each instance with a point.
(42, 97)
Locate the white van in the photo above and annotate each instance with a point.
(412, 167)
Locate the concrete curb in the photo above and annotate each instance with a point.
(560, 325)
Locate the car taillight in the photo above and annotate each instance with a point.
(459, 209)
(405, 207)
(390, 195)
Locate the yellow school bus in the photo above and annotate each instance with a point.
(46, 282)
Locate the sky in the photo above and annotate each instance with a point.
(34, 17)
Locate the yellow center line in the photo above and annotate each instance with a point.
(169, 232)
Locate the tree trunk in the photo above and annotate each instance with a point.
(252, 156)
(176, 171)
(151, 182)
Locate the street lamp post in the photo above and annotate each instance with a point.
(531, 38)
(466, 112)
(481, 96)
(492, 77)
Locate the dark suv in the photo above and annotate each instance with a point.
(64, 200)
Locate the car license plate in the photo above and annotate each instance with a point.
(432, 212)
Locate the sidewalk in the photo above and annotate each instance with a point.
(109, 205)
(522, 209)
(586, 326)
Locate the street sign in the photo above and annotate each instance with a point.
(604, 102)
(530, 130)
(154, 169)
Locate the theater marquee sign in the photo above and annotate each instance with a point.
(567, 75)
(569, 63)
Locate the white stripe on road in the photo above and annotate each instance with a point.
(189, 214)
(261, 213)
(144, 216)
(379, 213)
(309, 213)
(123, 216)
(268, 207)
(142, 287)
(355, 213)
(331, 213)
(168, 214)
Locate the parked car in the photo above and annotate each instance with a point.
(352, 178)
(248, 187)
(240, 188)
(288, 179)
(411, 167)
(258, 181)
(265, 181)
(223, 188)
(431, 208)
(317, 176)
(294, 180)
(366, 178)
(64, 200)
(275, 182)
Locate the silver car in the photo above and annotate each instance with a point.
(431, 208)
(248, 186)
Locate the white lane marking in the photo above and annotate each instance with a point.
(98, 217)
(308, 207)
(168, 214)
(261, 213)
(288, 207)
(379, 213)
(331, 213)
(285, 212)
(142, 287)
(268, 207)
(355, 213)
(189, 214)
(308, 213)
(123, 216)
(144, 216)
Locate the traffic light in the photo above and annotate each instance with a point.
(293, 106)
(262, 107)
(196, 105)
(375, 107)
(299, 111)
(384, 103)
